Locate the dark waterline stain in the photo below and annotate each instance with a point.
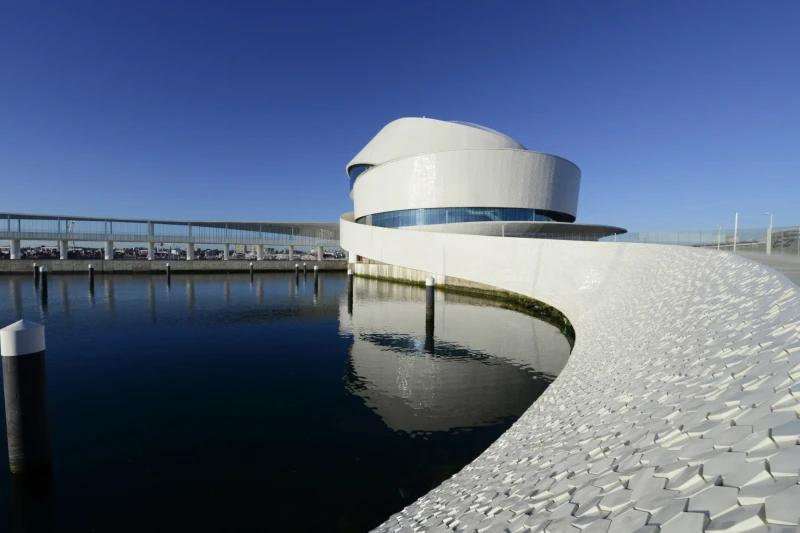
(214, 403)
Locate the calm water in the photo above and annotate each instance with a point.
(217, 404)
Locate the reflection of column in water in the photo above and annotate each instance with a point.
(151, 298)
(260, 292)
(108, 291)
(189, 293)
(350, 303)
(62, 286)
(31, 504)
(226, 292)
(15, 292)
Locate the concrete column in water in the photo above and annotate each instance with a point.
(62, 250)
(352, 257)
(43, 277)
(14, 249)
(189, 251)
(320, 253)
(91, 275)
(109, 252)
(429, 297)
(350, 291)
(291, 253)
(35, 274)
(259, 252)
(226, 252)
(25, 385)
(150, 251)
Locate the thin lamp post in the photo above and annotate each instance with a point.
(719, 235)
(735, 231)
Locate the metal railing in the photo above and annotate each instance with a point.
(784, 240)
(88, 229)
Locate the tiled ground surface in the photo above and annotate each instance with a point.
(677, 411)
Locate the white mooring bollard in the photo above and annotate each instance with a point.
(22, 346)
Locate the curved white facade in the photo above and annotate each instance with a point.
(470, 178)
(420, 163)
(408, 136)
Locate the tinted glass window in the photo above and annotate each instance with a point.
(450, 215)
(355, 172)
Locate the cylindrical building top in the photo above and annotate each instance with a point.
(21, 338)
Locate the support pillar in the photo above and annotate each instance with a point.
(14, 249)
(320, 253)
(352, 257)
(25, 384)
(109, 251)
(189, 251)
(226, 252)
(151, 251)
(259, 252)
(291, 253)
(63, 248)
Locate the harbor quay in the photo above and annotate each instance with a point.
(81, 266)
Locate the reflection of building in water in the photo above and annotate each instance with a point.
(484, 366)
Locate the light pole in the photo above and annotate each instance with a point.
(719, 233)
(735, 231)
(769, 235)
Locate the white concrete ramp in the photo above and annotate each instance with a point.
(676, 412)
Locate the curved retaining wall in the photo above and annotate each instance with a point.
(677, 410)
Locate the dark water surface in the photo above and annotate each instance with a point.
(217, 404)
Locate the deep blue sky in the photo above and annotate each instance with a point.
(678, 113)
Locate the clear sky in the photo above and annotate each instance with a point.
(679, 113)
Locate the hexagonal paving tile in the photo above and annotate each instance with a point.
(714, 501)
(686, 523)
(628, 521)
(784, 507)
(742, 519)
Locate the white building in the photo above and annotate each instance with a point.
(456, 177)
